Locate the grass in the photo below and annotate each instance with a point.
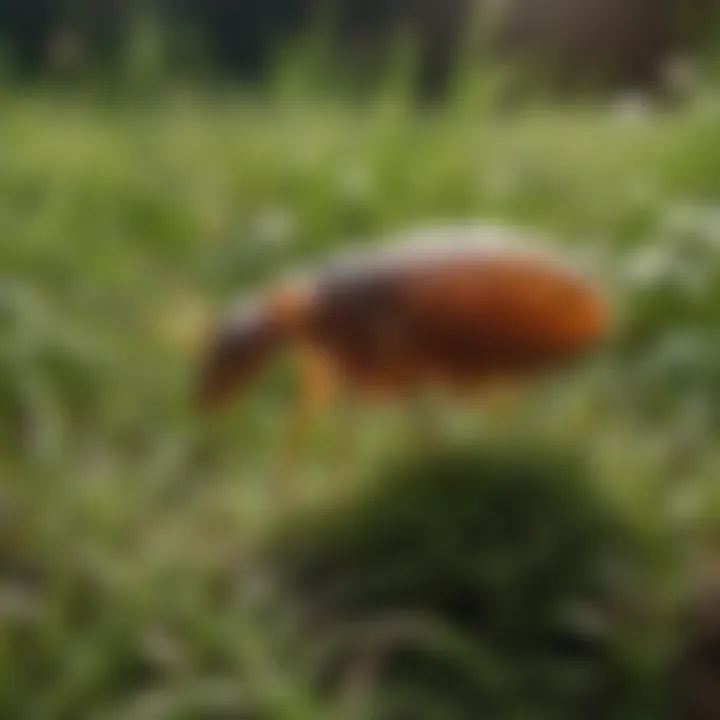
(125, 520)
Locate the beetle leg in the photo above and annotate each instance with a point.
(318, 390)
(425, 419)
(345, 437)
(501, 400)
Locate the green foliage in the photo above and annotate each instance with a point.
(126, 521)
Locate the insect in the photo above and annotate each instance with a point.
(458, 309)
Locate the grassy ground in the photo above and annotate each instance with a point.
(122, 226)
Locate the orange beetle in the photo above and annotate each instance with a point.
(457, 308)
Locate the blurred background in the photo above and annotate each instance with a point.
(159, 158)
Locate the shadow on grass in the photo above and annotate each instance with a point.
(497, 580)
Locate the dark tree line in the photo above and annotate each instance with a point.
(628, 41)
